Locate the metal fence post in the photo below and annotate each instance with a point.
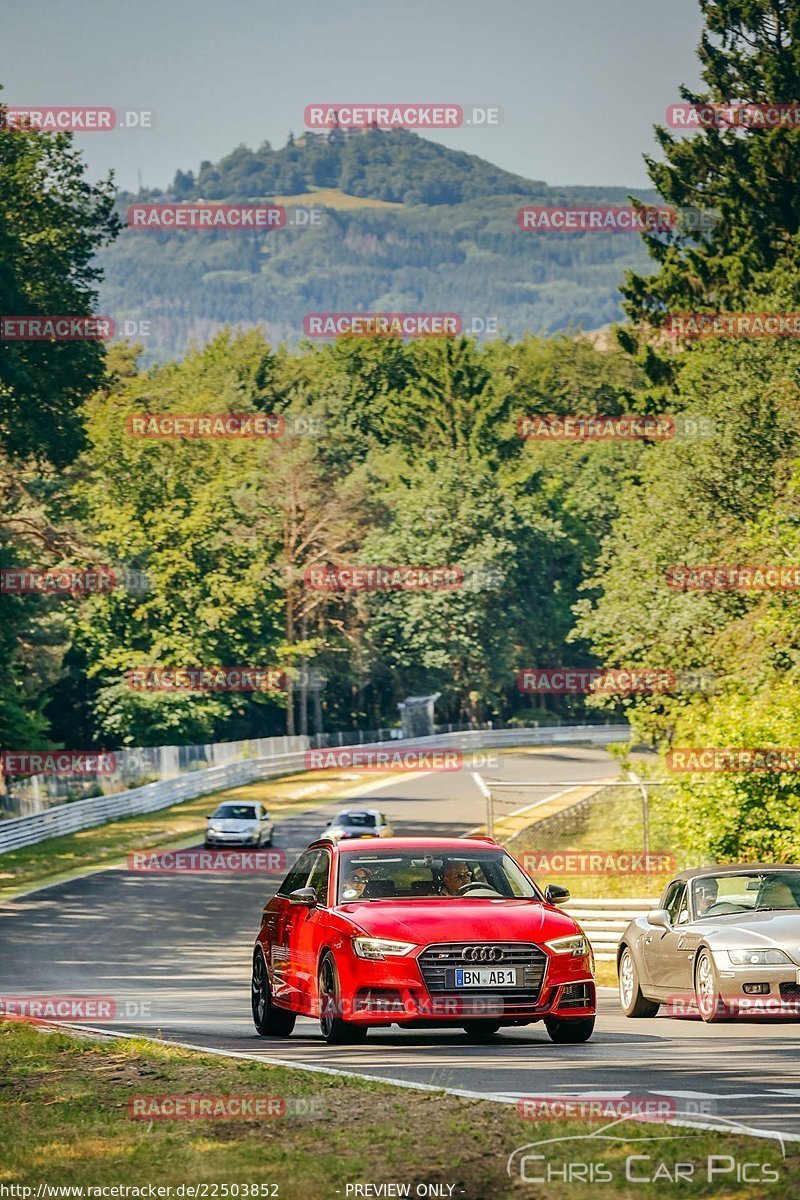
(645, 809)
(487, 794)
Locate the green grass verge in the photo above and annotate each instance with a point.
(65, 1121)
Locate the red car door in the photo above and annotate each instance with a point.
(307, 931)
(280, 918)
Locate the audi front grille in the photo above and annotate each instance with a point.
(436, 961)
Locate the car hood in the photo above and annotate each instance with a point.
(752, 930)
(443, 920)
(230, 826)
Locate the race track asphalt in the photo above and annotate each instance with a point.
(173, 952)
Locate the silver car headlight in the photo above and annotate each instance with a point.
(758, 958)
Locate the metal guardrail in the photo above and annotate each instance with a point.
(137, 766)
(605, 921)
(134, 768)
(86, 814)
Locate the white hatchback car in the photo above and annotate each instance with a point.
(244, 824)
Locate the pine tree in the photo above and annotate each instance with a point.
(747, 176)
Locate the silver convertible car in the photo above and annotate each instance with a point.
(725, 942)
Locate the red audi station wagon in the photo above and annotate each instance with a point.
(419, 932)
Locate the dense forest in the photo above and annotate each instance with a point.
(408, 452)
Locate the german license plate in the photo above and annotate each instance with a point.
(466, 977)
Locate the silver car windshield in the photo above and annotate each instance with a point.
(750, 891)
(412, 875)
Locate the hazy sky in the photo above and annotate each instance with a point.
(580, 82)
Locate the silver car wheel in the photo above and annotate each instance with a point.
(706, 988)
(626, 979)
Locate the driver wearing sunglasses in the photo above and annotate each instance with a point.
(355, 884)
(454, 876)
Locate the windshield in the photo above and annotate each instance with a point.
(750, 891)
(235, 812)
(355, 818)
(414, 875)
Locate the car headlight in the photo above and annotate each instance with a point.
(381, 948)
(758, 958)
(576, 945)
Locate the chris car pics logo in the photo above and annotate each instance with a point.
(593, 1158)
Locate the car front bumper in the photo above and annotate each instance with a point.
(394, 991)
(234, 839)
(749, 990)
(737, 986)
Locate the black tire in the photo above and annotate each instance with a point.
(710, 1005)
(335, 1030)
(269, 1020)
(631, 1000)
(569, 1030)
(481, 1031)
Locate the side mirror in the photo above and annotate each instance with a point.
(305, 897)
(660, 918)
(327, 823)
(555, 894)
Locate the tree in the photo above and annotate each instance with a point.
(53, 222)
(695, 502)
(745, 174)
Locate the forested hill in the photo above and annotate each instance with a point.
(395, 166)
(408, 225)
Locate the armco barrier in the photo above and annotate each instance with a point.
(86, 814)
(605, 921)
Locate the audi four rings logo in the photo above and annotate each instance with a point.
(482, 954)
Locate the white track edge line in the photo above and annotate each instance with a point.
(465, 1093)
